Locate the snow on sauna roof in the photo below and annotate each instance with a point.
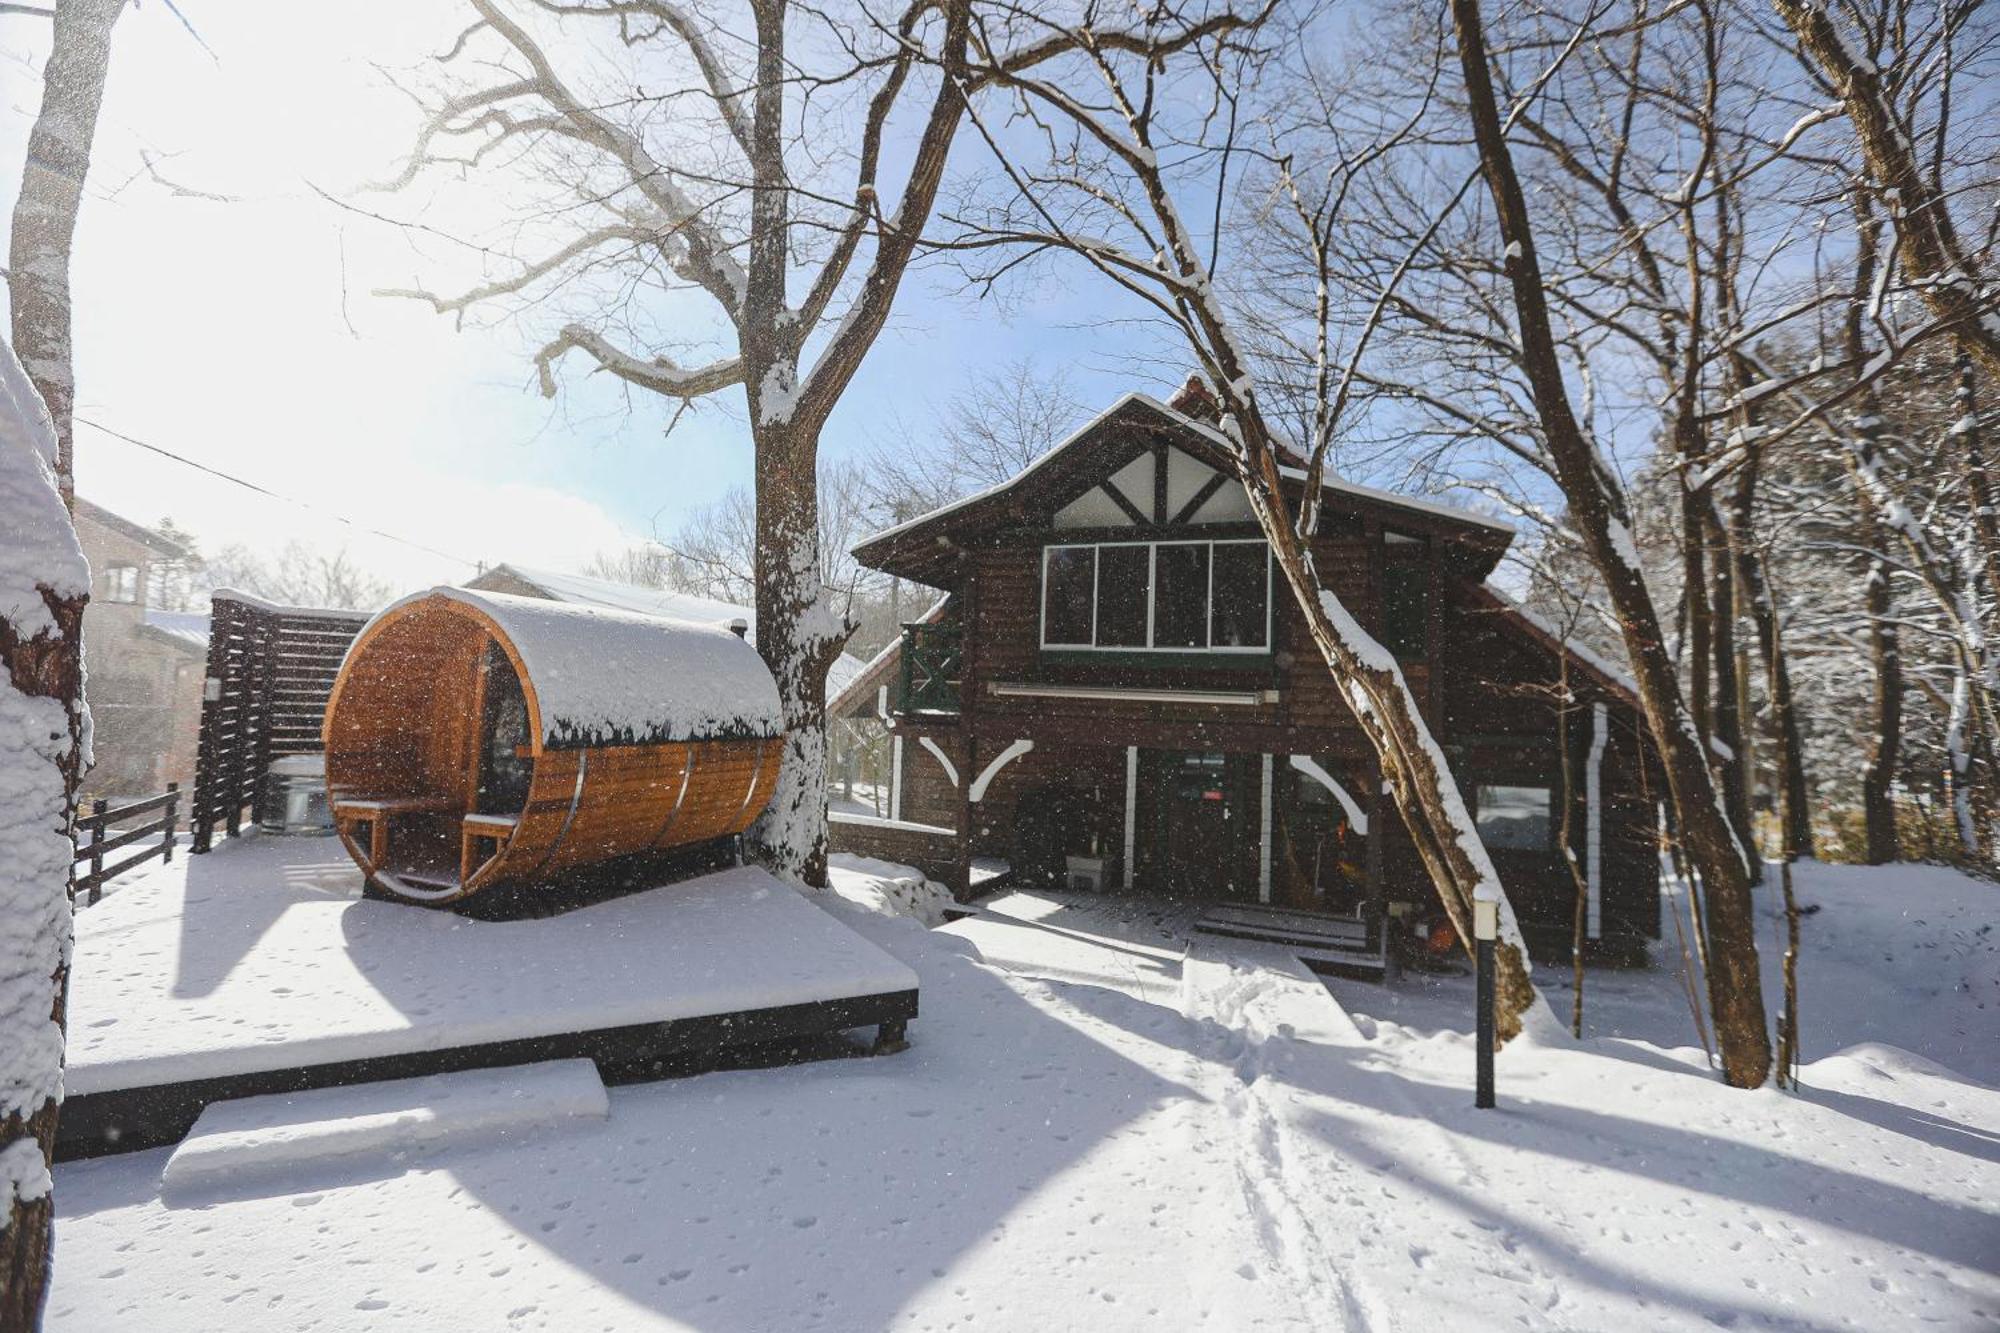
(593, 591)
(608, 677)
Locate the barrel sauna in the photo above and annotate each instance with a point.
(476, 739)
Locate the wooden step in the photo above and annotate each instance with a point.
(1317, 938)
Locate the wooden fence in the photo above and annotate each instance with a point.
(104, 839)
(270, 670)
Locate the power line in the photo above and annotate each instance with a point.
(266, 491)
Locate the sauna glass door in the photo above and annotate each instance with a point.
(505, 771)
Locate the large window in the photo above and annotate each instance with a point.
(1515, 819)
(1158, 596)
(121, 583)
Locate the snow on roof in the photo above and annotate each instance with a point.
(632, 597)
(265, 604)
(138, 532)
(836, 698)
(1214, 436)
(585, 589)
(1582, 652)
(187, 629)
(603, 676)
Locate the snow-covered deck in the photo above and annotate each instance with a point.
(259, 966)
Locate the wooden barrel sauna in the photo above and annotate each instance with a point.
(476, 739)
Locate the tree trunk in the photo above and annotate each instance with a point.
(799, 638)
(1885, 657)
(1795, 821)
(43, 729)
(1927, 243)
(1597, 508)
(1978, 484)
(45, 213)
(1727, 711)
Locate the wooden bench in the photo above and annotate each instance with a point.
(351, 813)
(477, 829)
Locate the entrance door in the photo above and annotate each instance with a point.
(1203, 818)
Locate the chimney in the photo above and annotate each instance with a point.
(1193, 399)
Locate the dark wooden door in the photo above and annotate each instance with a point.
(1203, 816)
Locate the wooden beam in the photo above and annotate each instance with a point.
(1200, 498)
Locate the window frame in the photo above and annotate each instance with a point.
(1550, 813)
(119, 574)
(1152, 595)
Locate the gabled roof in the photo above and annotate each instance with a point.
(919, 548)
(583, 589)
(125, 527)
(1527, 624)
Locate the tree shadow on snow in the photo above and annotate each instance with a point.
(831, 1193)
(1763, 1179)
(238, 891)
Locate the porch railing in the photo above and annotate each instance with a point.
(89, 887)
(933, 661)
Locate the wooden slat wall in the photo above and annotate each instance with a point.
(272, 674)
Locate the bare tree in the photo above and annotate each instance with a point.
(986, 434)
(1946, 275)
(300, 575)
(1598, 508)
(44, 584)
(712, 552)
(733, 165)
(1116, 124)
(46, 210)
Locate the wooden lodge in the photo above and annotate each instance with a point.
(476, 739)
(1116, 692)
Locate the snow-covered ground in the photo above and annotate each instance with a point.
(1100, 1126)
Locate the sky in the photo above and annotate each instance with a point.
(241, 332)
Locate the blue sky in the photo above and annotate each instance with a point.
(242, 333)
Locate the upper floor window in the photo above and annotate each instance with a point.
(121, 583)
(1158, 596)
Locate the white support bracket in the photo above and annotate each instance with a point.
(992, 770)
(950, 769)
(1357, 818)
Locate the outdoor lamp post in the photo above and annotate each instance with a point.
(1485, 930)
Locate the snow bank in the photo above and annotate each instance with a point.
(888, 889)
(236, 1143)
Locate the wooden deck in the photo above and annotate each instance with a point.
(259, 968)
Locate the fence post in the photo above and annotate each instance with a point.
(167, 839)
(97, 809)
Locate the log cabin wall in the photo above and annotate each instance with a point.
(1408, 571)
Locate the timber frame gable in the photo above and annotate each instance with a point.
(1115, 691)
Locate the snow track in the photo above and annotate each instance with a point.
(1235, 1002)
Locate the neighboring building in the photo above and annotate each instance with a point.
(145, 664)
(1117, 687)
